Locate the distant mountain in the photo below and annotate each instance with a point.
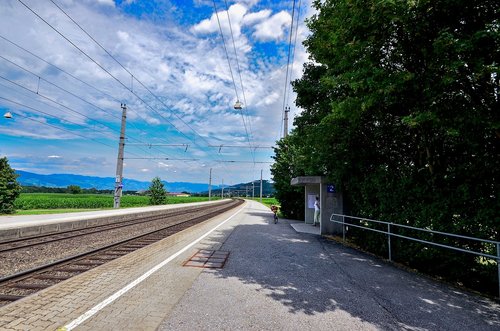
(246, 189)
(102, 183)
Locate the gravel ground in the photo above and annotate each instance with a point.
(26, 258)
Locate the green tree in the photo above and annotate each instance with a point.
(9, 187)
(74, 189)
(157, 192)
(400, 108)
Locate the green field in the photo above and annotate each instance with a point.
(266, 201)
(54, 201)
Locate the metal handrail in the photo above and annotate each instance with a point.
(391, 234)
(419, 229)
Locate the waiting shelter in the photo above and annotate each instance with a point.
(330, 202)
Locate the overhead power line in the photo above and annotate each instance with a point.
(104, 69)
(77, 79)
(120, 82)
(288, 64)
(241, 80)
(37, 93)
(132, 78)
(238, 161)
(240, 146)
(225, 50)
(159, 158)
(294, 44)
(58, 118)
(57, 127)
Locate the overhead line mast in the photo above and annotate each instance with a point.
(119, 161)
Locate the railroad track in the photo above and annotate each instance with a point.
(20, 285)
(31, 241)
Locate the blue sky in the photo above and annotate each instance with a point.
(166, 60)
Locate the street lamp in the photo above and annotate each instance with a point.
(237, 105)
(7, 115)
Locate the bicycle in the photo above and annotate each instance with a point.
(275, 213)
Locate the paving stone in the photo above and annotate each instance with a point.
(214, 260)
(199, 259)
(194, 264)
(213, 265)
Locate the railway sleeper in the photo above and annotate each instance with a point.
(89, 263)
(105, 257)
(10, 297)
(74, 269)
(52, 277)
(30, 286)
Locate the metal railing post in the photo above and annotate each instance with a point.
(343, 228)
(498, 266)
(389, 240)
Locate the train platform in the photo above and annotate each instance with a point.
(18, 221)
(240, 271)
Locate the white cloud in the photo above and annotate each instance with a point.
(107, 2)
(253, 18)
(163, 165)
(182, 66)
(273, 28)
(249, 3)
(211, 25)
(54, 157)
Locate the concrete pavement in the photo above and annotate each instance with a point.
(274, 279)
(278, 279)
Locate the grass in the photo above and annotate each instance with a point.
(50, 211)
(52, 203)
(266, 201)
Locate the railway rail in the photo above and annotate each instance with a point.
(41, 239)
(16, 286)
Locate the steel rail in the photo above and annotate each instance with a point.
(96, 229)
(24, 275)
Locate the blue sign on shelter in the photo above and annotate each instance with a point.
(330, 188)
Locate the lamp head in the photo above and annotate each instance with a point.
(7, 115)
(237, 105)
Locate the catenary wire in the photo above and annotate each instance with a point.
(241, 80)
(62, 105)
(294, 44)
(105, 70)
(131, 74)
(60, 119)
(90, 58)
(225, 51)
(287, 68)
(83, 82)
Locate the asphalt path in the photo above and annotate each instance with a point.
(278, 279)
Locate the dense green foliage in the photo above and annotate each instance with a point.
(74, 189)
(402, 110)
(266, 201)
(44, 189)
(9, 187)
(157, 192)
(27, 201)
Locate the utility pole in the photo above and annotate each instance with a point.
(253, 189)
(210, 185)
(260, 185)
(222, 193)
(285, 126)
(119, 161)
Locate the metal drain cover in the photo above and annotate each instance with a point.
(205, 258)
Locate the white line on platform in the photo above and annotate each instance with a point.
(73, 324)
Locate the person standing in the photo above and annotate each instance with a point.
(316, 211)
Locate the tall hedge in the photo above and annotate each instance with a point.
(401, 108)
